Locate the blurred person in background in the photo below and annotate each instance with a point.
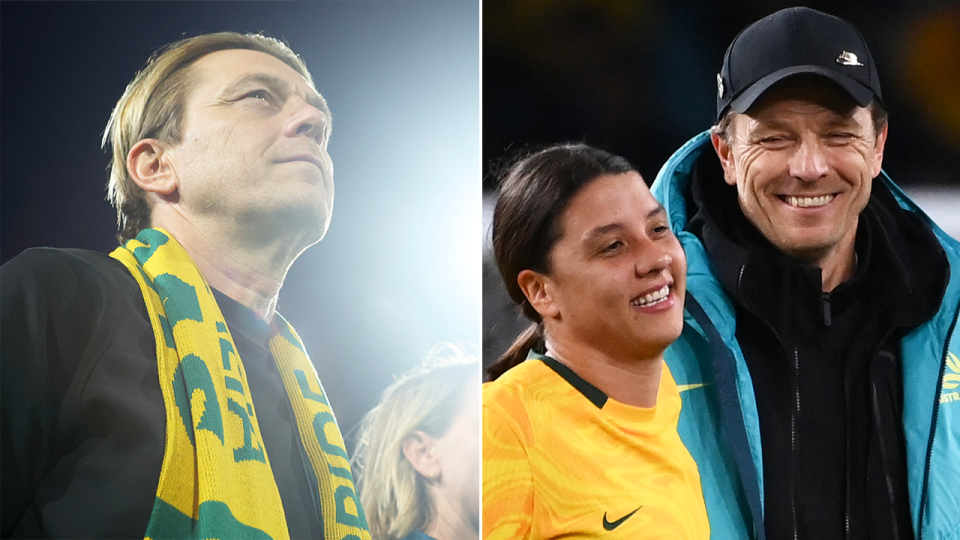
(580, 416)
(418, 452)
(820, 354)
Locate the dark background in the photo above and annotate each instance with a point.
(638, 78)
(399, 269)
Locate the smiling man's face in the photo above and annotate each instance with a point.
(803, 159)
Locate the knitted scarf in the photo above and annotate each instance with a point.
(216, 480)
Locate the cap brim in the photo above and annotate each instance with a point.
(860, 93)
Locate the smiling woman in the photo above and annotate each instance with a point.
(585, 250)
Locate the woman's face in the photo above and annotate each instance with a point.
(617, 272)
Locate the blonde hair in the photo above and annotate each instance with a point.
(394, 496)
(152, 107)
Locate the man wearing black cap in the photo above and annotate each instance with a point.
(819, 365)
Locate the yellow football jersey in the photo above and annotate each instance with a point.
(561, 459)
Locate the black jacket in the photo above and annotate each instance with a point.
(83, 420)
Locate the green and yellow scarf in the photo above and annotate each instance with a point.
(216, 480)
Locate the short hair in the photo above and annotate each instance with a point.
(152, 106)
(393, 495)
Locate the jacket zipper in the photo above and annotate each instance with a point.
(846, 463)
(827, 313)
(933, 424)
(876, 417)
(891, 495)
(883, 455)
(795, 443)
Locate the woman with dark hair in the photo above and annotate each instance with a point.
(580, 417)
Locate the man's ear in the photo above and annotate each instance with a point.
(149, 166)
(420, 450)
(878, 151)
(726, 158)
(539, 291)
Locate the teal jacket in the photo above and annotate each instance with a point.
(719, 422)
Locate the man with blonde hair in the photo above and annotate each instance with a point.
(155, 392)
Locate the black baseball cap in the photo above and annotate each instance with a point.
(790, 42)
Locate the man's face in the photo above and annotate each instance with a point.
(253, 155)
(803, 159)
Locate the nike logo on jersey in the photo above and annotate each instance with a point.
(611, 525)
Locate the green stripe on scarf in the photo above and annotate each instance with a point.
(216, 480)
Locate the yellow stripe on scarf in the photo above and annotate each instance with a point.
(216, 480)
(325, 446)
